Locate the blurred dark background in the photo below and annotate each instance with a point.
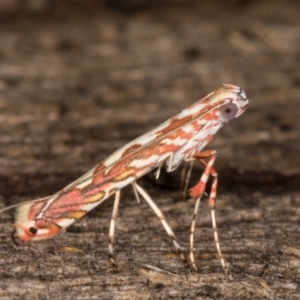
(79, 79)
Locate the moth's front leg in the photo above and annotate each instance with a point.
(197, 192)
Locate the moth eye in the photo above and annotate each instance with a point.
(33, 230)
(229, 111)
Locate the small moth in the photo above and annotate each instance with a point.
(181, 138)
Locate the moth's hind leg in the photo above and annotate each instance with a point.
(111, 234)
(163, 220)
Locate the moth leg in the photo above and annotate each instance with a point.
(185, 178)
(163, 220)
(112, 231)
(192, 230)
(157, 172)
(136, 193)
(197, 192)
(183, 175)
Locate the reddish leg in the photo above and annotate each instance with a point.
(197, 192)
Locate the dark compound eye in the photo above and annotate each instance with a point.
(33, 230)
(229, 111)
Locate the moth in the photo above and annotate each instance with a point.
(181, 138)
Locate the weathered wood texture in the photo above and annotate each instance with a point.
(78, 81)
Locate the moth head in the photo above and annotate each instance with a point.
(235, 102)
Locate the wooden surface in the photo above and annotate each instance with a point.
(79, 81)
